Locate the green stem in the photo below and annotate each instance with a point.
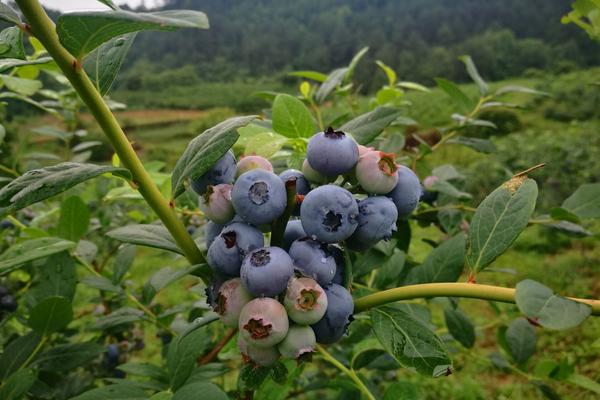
(351, 374)
(44, 30)
(35, 351)
(9, 171)
(468, 290)
(16, 222)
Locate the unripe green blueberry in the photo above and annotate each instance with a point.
(265, 357)
(299, 341)
(231, 298)
(248, 163)
(376, 172)
(216, 203)
(263, 322)
(305, 301)
(312, 175)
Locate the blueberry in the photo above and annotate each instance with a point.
(191, 229)
(299, 341)
(340, 264)
(332, 153)
(376, 221)
(248, 163)
(216, 203)
(259, 197)
(112, 354)
(232, 296)
(211, 231)
(338, 315)
(376, 172)
(263, 357)
(312, 259)
(329, 213)
(4, 291)
(302, 185)
(5, 224)
(429, 197)
(227, 251)
(305, 301)
(407, 192)
(293, 231)
(312, 175)
(222, 172)
(266, 271)
(263, 322)
(8, 303)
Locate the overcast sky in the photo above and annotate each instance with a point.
(78, 5)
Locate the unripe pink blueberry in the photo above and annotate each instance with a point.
(362, 150)
(299, 341)
(216, 203)
(312, 175)
(305, 301)
(263, 322)
(231, 298)
(376, 172)
(264, 357)
(247, 163)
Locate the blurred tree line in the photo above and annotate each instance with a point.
(420, 39)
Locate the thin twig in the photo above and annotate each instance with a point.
(215, 352)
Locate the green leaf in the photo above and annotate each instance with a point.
(456, 94)
(57, 277)
(499, 220)
(519, 89)
(251, 377)
(114, 392)
(569, 228)
(12, 41)
(25, 87)
(17, 385)
(16, 353)
(546, 390)
(291, 118)
(474, 74)
(121, 316)
(265, 144)
(391, 269)
(364, 352)
(368, 126)
(184, 350)
(449, 189)
(103, 64)
(82, 32)
(444, 263)
(39, 184)
(52, 132)
(550, 310)
(200, 391)
(156, 236)
(562, 214)
(585, 201)
(312, 75)
(30, 250)
(481, 145)
(205, 150)
(412, 86)
(389, 72)
(74, 219)
(146, 370)
(123, 261)
(68, 356)
(9, 15)
(402, 391)
(334, 79)
(354, 62)
(460, 327)
(410, 341)
(101, 283)
(521, 340)
(584, 382)
(51, 315)
(2, 135)
(164, 277)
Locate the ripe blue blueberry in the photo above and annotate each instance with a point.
(8, 303)
(406, 193)
(302, 185)
(227, 251)
(259, 197)
(222, 172)
(112, 354)
(248, 163)
(230, 300)
(263, 322)
(376, 221)
(299, 341)
(312, 259)
(293, 231)
(211, 231)
(332, 153)
(216, 203)
(329, 213)
(305, 301)
(259, 356)
(338, 315)
(266, 271)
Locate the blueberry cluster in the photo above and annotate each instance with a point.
(286, 299)
(8, 303)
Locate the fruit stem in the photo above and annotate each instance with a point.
(42, 27)
(453, 289)
(351, 374)
(280, 224)
(215, 352)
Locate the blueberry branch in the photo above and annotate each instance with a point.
(351, 374)
(215, 352)
(468, 290)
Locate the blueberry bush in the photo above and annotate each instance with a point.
(291, 231)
